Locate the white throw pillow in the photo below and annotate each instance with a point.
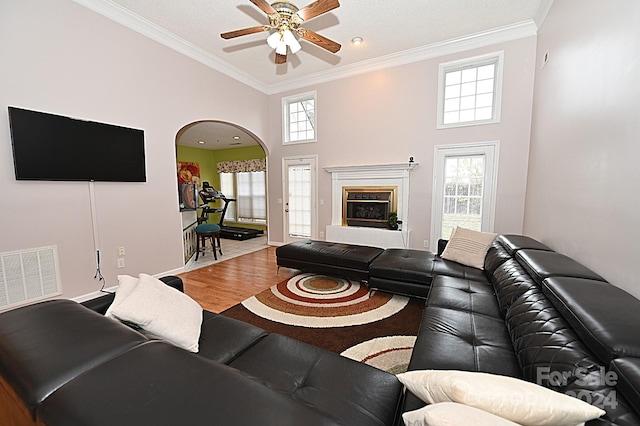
(521, 402)
(162, 310)
(468, 247)
(452, 414)
(126, 284)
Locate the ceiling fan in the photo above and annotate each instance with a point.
(286, 18)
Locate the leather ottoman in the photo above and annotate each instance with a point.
(324, 257)
(402, 271)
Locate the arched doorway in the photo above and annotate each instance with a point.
(232, 160)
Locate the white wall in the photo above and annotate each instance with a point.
(387, 116)
(583, 170)
(62, 58)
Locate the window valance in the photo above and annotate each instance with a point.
(239, 166)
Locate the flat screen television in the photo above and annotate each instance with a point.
(53, 147)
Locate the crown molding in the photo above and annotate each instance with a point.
(543, 11)
(123, 16)
(130, 20)
(473, 41)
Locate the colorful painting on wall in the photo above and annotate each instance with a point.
(188, 173)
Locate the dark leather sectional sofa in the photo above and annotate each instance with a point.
(531, 313)
(64, 364)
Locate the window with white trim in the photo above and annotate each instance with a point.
(470, 91)
(249, 190)
(299, 118)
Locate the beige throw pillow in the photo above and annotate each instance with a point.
(452, 414)
(468, 247)
(163, 311)
(516, 400)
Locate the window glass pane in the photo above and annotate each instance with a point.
(451, 117)
(487, 71)
(452, 91)
(484, 100)
(466, 175)
(485, 86)
(469, 75)
(453, 77)
(468, 102)
(484, 113)
(468, 89)
(452, 105)
(467, 115)
(251, 198)
(227, 188)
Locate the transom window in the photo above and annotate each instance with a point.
(299, 114)
(470, 91)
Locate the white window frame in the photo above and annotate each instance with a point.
(491, 151)
(286, 101)
(498, 59)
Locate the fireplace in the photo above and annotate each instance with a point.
(368, 206)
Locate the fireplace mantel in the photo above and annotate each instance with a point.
(380, 175)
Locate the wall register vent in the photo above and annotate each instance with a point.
(28, 276)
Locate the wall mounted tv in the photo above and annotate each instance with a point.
(53, 147)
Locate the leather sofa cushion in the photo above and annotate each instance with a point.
(464, 295)
(159, 384)
(628, 377)
(513, 243)
(604, 316)
(399, 287)
(44, 346)
(323, 380)
(495, 257)
(328, 253)
(544, 264)
(510, 281)
(414, 266)
(223, 339)
(451, 339)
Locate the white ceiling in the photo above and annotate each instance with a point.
(393, 31)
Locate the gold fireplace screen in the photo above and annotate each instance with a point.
(368, 206)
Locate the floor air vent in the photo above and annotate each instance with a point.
(28, 275)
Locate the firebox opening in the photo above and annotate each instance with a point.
(368, 206)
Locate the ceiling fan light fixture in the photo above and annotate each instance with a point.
(291, 41)
(281, 48)
(274, 39)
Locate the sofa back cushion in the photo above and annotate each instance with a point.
(495, 257)
(542, 264)
(510, 281)
(513, 243)
(605, 317)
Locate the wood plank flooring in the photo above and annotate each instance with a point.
(222, 285)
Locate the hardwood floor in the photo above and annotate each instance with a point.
(222, 285)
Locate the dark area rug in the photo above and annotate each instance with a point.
(332, 313)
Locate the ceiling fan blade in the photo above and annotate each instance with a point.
(245, 31)
(281, 59)
(317, 8)
(319, 40)
(264, 6)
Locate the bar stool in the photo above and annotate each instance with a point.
(211, 231)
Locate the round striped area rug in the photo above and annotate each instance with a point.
(319, 301)
(391, 353)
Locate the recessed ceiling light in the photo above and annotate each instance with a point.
(356, 41)
(201, 142)
(236, 137)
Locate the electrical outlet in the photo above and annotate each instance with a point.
(426, 243)
(121, 263)
(321, 234)
(121, 251)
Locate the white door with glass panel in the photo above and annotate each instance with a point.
(464, 189)
(299, 198)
